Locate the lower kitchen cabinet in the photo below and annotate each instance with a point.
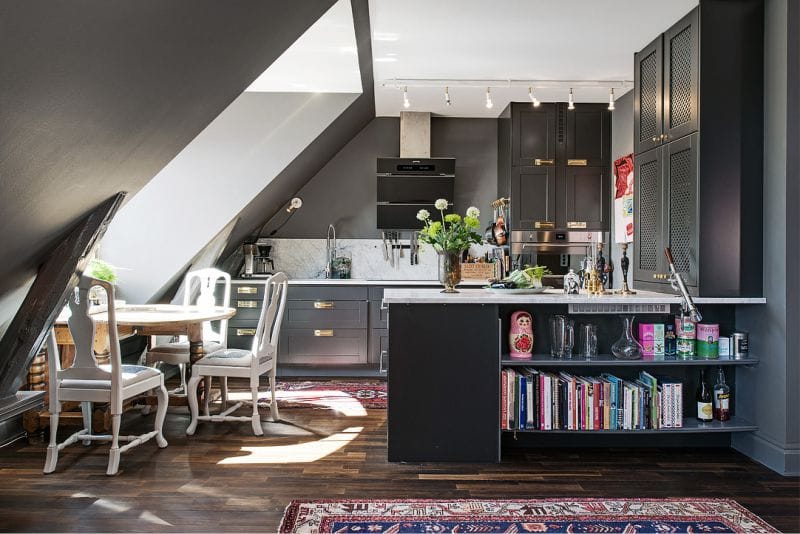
(379, 348)
(328, 346)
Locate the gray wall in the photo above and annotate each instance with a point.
(772, 386)
(621, 145)
(343, 192)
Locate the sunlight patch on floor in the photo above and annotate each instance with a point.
(339, 401)
(299, 453)
(111, 506)
(152, 518)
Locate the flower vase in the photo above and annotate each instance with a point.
(449, 270)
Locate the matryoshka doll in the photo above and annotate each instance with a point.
(520, 336)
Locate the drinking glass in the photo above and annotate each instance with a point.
(588, 341)
(562, 337)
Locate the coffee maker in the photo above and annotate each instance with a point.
(249, 250)
(262, 263)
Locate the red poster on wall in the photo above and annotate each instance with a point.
(623, 199)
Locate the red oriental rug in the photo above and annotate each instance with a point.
(519, 516)
(331, 393)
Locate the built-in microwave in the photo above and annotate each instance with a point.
(407, 185)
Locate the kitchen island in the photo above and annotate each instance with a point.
(447, 352)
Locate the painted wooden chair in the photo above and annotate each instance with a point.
(87, 382)
(251, 364)
(177, 353)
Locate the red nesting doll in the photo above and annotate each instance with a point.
(520, 335)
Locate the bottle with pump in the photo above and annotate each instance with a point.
(722, 397)
(704, 399)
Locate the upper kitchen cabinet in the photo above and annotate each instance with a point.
(588, 135)
(698, 131)
(534, 134)
(666, 85)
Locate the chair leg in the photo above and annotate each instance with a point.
(113, 454)
(52, 449)
(191, 395)
(257, 430)
(206, 395)
(161, 414)
(273, 405)
(182, 371)
(86, 410)
(223, 390)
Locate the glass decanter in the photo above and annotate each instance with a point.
(626, 347)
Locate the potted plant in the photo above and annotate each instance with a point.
(100, 270)
(450, 237)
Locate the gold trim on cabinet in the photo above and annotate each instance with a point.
(246, 290)
(576, 224)
(322, 305)
(577, 162)
(544, 224)
(247, 304)
(323, 333)
(544, 162)
(245, 331)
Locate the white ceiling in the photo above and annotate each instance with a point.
(508, 39)
(322, 60)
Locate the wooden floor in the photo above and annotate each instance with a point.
(204, 483)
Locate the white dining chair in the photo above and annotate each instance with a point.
(87, 382)
(177, 352)
(251, 364)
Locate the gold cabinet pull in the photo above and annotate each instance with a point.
(577, 162)
(544, 224)
(323, 305)
(246, 290)
(576, 224)
(245, 331)
(543, 162)
(323, 333)
(247, 304)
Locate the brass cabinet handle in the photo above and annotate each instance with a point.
(247, 304)
(323, 333)
(246, 290)
(245, 331)
(320, 305)
(544, 224)
(540, 162)
(577, 162)
(661, 276)
(576, 224)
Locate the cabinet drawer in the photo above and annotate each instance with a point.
(241, 291)
(326, 293)
(246, 309)
(378, 317)
(326, 314)
(305, 346)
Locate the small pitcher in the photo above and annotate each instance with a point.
(562, 337)
(588, 341)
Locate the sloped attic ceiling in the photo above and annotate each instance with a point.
(96, 96)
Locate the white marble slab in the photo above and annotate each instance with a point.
(361, 282)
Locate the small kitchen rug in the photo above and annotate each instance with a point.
(331, 393)
(538, 515)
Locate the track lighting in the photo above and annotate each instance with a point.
(489, 102)
(611, 100)
(571, 102)
(534, 100)
(447, 95)
(406, 103)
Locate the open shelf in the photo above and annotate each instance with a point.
(690, 426)
(608, 360)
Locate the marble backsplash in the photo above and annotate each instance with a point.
(305, 258)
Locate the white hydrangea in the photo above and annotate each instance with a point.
(423, 215)
(472, 211)
(441, 204)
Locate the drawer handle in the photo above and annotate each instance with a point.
(544, 162)
(544, 224)
(381, 366)
(321, 305)
(246, 290)
(576, 224)
(247, 304)
(323, 333)
(577, 162)
(245, 331)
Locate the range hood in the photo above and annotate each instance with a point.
(555, 242)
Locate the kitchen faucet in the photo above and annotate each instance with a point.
(330, 251)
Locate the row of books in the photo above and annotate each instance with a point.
(532, 399)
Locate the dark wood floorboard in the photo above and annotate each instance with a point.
(186, 488)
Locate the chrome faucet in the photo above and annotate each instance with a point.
(330, 251)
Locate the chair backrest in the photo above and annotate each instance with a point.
(269, 323)
(207, 280)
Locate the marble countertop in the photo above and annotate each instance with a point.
(550, 296)
(359, 282)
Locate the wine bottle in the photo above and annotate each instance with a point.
(704, 403)
(722, 397)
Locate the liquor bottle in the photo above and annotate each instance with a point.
(722, 397)
(704, 403)
(670, 340)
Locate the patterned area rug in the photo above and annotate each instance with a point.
(331, 393)
(519, 516)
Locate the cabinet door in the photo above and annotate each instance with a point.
(681, 77)
(648, 228)
(586, 198)
(303, 346)
(681, 199)
(588, 135)
(534, 135)
(648, 97)
(534, 192)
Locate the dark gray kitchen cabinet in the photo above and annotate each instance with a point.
(533, 191)
(648, 128)
(534, 135)
(588, 135)
(586, 187)
(648, 224)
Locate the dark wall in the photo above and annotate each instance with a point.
(96, 96)
(343, 192)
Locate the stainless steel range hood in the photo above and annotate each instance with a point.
(554, 242)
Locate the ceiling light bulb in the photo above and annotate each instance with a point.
(571, 102)
(447, 96)
(611, 100)
(406, 103)
(489, 102)
(534, 100)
